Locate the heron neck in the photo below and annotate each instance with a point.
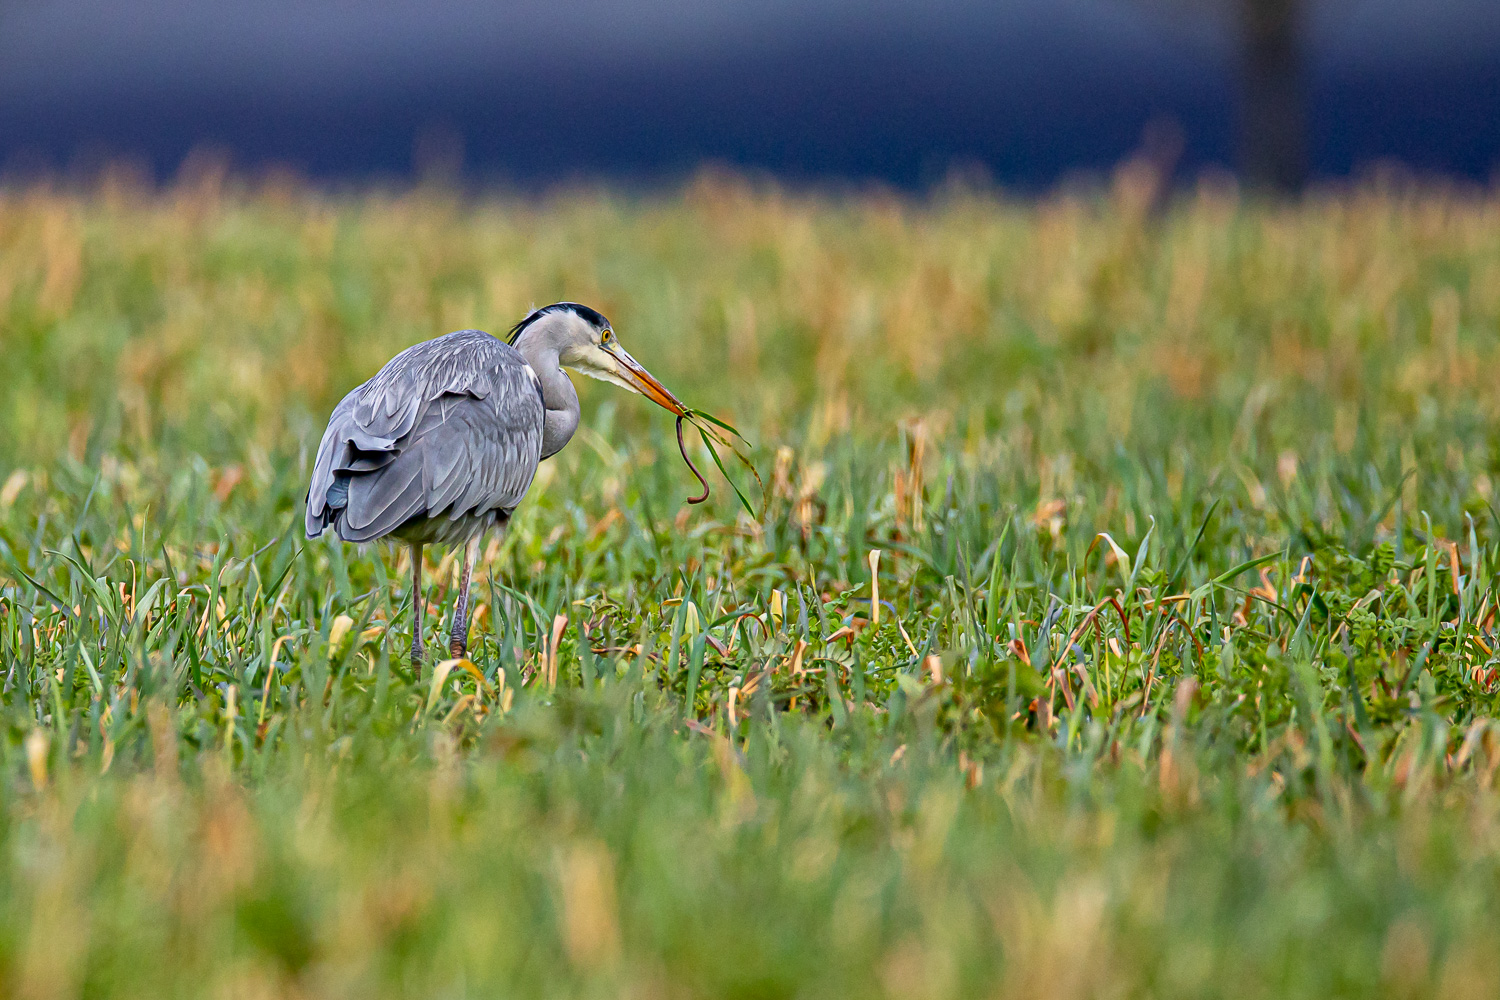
(558, 396)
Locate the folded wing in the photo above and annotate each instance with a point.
(449, 428)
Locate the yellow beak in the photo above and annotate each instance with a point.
(644, 382)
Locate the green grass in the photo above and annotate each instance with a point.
(1183, 680)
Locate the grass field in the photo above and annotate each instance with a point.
(1180, 677)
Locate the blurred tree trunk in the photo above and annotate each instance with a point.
(1273, 125)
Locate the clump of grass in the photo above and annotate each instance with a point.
(712, 431)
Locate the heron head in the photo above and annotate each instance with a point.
(585, 342)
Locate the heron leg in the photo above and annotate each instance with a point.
(458, 640)
(416, 608)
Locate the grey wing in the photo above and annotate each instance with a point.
(346, 448)
(447, 434)
(459, 460)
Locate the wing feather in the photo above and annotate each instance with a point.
(381, 502)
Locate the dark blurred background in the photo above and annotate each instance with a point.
(903, 92)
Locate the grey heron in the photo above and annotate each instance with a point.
(442, 444)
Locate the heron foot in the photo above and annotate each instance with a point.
(458, 637)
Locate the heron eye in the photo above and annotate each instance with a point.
(606, 336)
